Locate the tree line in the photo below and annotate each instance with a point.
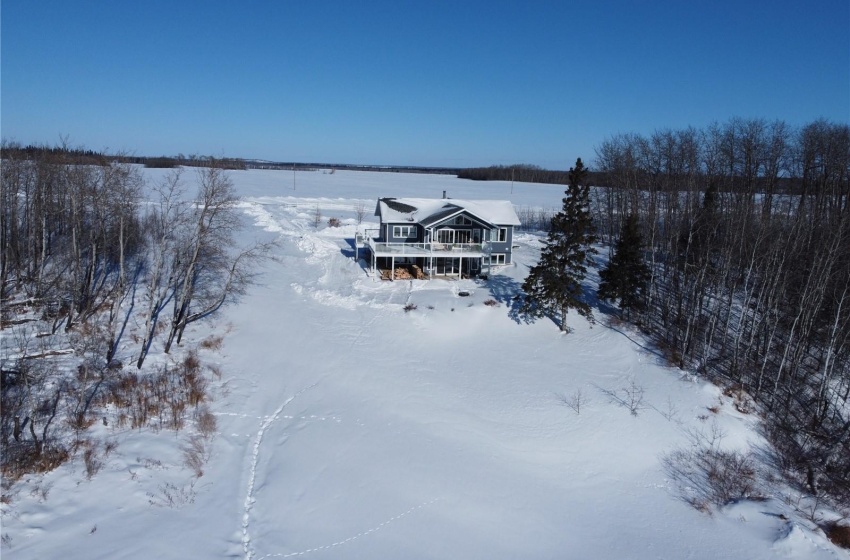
(523, 173)
(93, 267)
(730, 247)
(750, 281)
(63, 152)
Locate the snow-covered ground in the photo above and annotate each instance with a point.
(351, 428)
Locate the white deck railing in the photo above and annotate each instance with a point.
(382, 248)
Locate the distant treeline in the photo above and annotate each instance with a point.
(523, 173)
(53, 154)
(302, 166)
(165, 162)
(64, 154)
(77, 156)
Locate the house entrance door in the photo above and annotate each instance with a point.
(447, 266)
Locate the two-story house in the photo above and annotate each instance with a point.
(445, 237)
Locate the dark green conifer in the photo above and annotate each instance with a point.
(626, 276)
(553, 285)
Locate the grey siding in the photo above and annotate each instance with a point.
(504, 246)
(415, 236)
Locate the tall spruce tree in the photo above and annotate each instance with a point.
(627, 275)
(553, 285)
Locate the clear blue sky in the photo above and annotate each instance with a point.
(451, 83)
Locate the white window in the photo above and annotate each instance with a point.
(503, 234)
(497, 258)
(404, 231)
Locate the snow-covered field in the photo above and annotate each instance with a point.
(351, 428)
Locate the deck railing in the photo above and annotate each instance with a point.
(420, 249)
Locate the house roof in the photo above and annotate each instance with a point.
(428, 211)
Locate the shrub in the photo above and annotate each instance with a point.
(409, 307)
(334, 222)
(709, 475)
(491, 303)
(109, 446)
(838, 534)
(173, 496)
(575, 401)
(629, 396)
(21, 458)
(191, 363)
(91, 459)
(195, 455)
(742, 400)
(207, 422)
(212, 343)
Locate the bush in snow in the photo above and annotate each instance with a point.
(838, 534)
(709, 475)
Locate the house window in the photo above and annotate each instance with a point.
(462, 221)
(503, 235)
(463, 236)
(445, 236)
(404, 231)
(497, 258)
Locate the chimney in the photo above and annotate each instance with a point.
(444, 194)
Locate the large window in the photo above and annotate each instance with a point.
(445, 236)
(458, 236)
(497, 258)
(405, 232)
(462, 221)
(503, 235)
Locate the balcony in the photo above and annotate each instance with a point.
(383, 249)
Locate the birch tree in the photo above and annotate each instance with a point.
(209, 269)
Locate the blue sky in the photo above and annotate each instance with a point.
(432, 83)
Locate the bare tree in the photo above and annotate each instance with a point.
(317, 217)
(164, 224)
(209, 269)
(360, 211)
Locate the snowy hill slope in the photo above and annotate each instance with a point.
(351, 428)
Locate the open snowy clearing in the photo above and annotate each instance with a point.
(352, 428)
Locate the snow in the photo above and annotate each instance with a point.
(351, 428)
(493, 211)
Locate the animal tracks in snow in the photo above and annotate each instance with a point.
(249, 495)
(352, 538)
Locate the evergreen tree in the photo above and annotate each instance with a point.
(626, 276)
(553, 285)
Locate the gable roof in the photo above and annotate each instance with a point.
(428, 211)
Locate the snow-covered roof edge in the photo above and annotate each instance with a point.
(497, 212)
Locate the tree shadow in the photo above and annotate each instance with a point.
(590, 297)
(649, 349)
(507, 291)
(612, 316)
(134, 283)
